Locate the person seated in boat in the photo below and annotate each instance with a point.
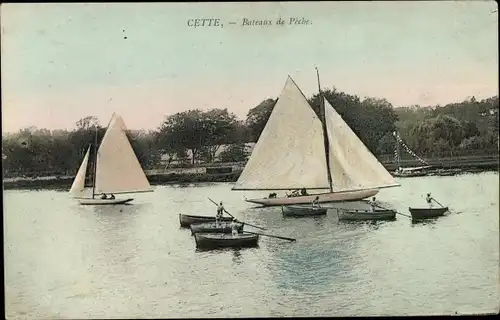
(429, 200)
(104, 196)
(373, 204)
(315, 202)
(272, 195)
(220, 212)
(234, 226)
(112, 197)
(304, 192)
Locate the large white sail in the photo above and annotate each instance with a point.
(78, 186)
(352, 165)
(290, 152)
(118, 170)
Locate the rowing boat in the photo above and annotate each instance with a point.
(302, 211)
(187, 220)
(427, 213)
(225, 240)
(212, 227)
(367, 215)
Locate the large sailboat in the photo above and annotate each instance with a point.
(298, 150)
(116, 169)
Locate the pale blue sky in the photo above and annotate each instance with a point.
(61, 62)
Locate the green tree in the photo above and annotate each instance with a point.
(387, 144)
(195, 129)
(441, 133)
(257, 118)
(369, 119)
(234, 153)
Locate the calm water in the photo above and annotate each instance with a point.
(63, 260)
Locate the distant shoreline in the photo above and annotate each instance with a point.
(229, 172)
(157, 179)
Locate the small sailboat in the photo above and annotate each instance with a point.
(408, 171)
(116, 169)
(298, 150)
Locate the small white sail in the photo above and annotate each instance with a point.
(352, 164)
(118, 170)
(78, 186)
(290, 152)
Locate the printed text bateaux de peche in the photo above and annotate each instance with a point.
(216, 22)
(279, 21)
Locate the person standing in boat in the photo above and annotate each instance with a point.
(373, 204)
(315, 202)
(220, 211)
(429, 200)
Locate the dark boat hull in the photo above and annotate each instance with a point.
(212, 227)
(223, 240)
(365, 215)
(187, 220)
(427, 213)
(302, 211)
(103, 202)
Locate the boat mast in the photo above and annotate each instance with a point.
(398, 149)
(325, 133)
(95, 164)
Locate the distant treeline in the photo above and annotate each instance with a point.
(428, 131)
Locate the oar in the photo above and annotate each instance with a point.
(405, 215)
(235, 218)
(439, 204)
(268, 235)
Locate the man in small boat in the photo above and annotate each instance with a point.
(272, 195)
(429, 200)
(315, 202)
(112, 197)
(304, 192)
(234, 227)
(220, 212)
(373, 204)
(104, 196)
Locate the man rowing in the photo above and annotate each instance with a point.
(429, 200)
(220, 212)
(315, 202)
(373, 205)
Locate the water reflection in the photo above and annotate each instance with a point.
(113, 232)
(427, 222)
(373, 224)
(310, 266)
(319, 222)
(235, 251)
(237, 256)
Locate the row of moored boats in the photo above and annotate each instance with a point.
(212, 233)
